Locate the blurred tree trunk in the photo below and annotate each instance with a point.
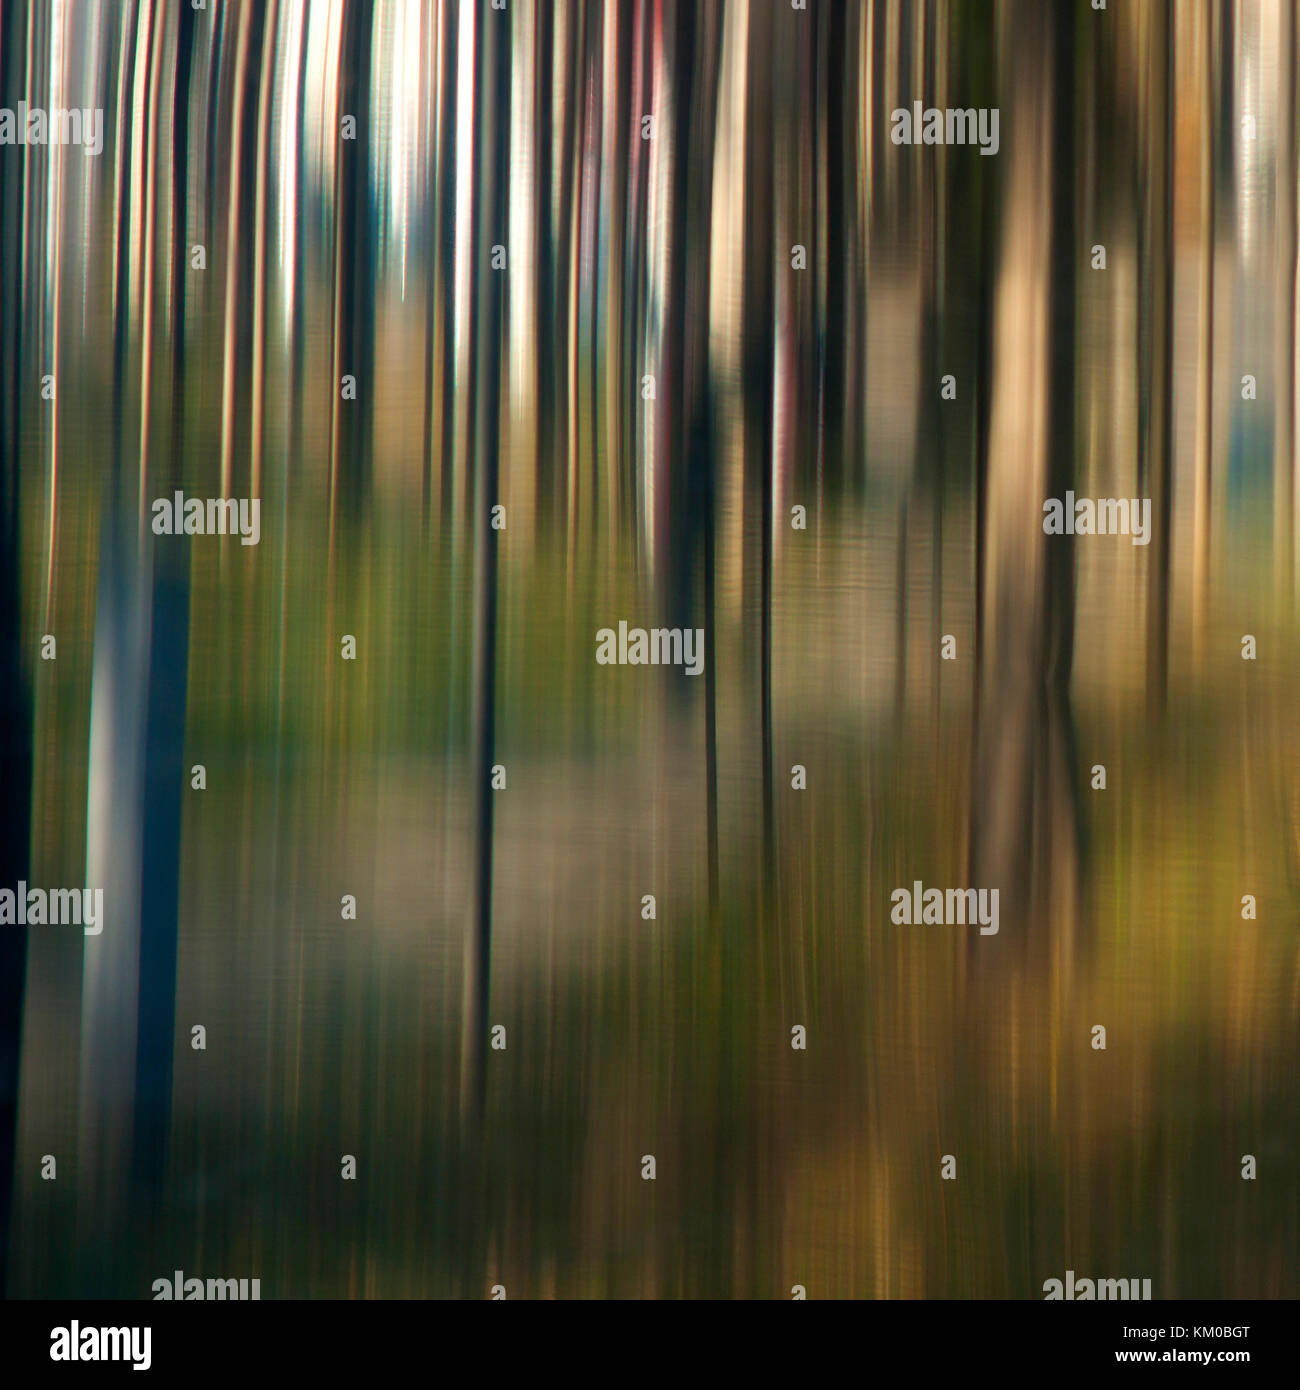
(1202, 500)
(1024, 836)
(165, 731)
(1157, 262)
(136, 781)
(15, 696)
(111, 981)
(111, 960)
(490, 220)
(445, 260)
(693, 479)
(1284, 459)
(761, 256)
(559, 426)
(354, 271)
(841, 214)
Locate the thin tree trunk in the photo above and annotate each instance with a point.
(761, 254)
(1158, 263)
(446, 231)
(1202, 499)
(353, 274)
(492, 125)
(1284, 460)
(15, 697)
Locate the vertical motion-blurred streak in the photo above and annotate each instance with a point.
(1209, 38)
(15, 699)
(489, 215)
(1284, 321)
(1023, 826)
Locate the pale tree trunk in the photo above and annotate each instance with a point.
(114, 814)
(1201, 504)
(1024, 827)
(1284, 315)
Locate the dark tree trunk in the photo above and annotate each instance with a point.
(15, 697)
(355, 268)
(490, 216)
(165, 733)
(1157, 263)
(761, 256)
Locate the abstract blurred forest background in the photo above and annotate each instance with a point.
(1165, 133)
